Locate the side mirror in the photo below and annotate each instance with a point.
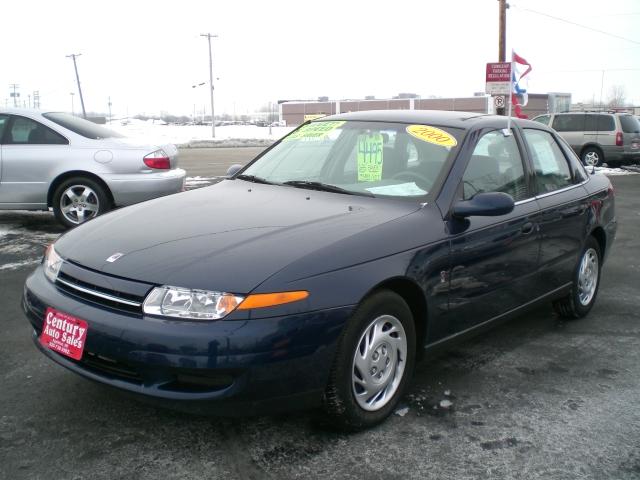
(490, 204)
(233, 169)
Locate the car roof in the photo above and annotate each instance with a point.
(22, 111)
(593, 113)
(455, 119)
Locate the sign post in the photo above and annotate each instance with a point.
(498, 80)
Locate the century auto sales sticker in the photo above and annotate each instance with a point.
(63, 333)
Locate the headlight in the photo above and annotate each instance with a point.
(190, 304)
(52, 263)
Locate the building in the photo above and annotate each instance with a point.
(296, 112)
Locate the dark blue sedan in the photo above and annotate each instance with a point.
(320, 272)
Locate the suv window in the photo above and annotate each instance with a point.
(573, 122)
(3, 122)
(549, 163)
(599, 123)
(495, 166)
(544, 119)
(25, 131)
(629, 124)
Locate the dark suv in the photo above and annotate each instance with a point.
(598, 137)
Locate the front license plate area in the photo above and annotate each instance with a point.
(64, 333)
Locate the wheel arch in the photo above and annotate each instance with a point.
(591, 145)
(601, 237)
(77, 173)
(415, 298)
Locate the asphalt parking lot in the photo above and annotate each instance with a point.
(536, 398)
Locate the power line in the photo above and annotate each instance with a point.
(577, 24)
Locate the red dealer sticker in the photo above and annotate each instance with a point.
(63, 333)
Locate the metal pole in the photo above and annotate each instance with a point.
(502, 40)
(73, 57)
(73, 110)
(213, 118)
(15, 94)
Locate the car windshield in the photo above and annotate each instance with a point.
(81, 126)
(361, 158)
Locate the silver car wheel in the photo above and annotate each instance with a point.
(379, 362)
(592, 158)
(588, 276)
(79, 203)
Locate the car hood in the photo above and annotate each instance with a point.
(231, 236)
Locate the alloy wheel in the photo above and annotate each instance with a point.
(79, 203)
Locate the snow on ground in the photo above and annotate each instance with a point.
(24, 236)
(198, 136)
(613, 171)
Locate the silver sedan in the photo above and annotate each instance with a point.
(78, 168)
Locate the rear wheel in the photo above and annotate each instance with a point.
(373, 363)
(586, 281)
(592, 157)
(78, 200)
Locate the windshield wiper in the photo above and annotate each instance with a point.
(325, 187)
(254, 179)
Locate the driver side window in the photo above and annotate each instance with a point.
(495, 166)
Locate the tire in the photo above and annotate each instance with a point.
(583, 291)
(592, 157)
(374, 362)
(79, 199)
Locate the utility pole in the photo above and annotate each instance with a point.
(73, 56)
(109, 110)
(15, 95)
(213, 118)
(502, 39)
(73, 110)
(36, 99)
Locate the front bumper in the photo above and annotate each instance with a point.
(137, 187)
(228, 367)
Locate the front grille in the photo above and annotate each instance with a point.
(105, 290)
(110, 367)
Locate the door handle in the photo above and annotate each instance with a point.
(527, 228)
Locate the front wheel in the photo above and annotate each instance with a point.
(586, 281)
(373, 364)
(78, 200)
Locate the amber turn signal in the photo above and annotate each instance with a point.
(261, 300)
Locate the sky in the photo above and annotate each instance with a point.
(146, 55)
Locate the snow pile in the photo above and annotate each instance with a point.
(615, 171)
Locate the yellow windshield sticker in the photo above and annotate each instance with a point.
(314, 130)
(370, 148)
(432, 135)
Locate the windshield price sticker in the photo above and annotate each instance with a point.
(63, 333)
(432, 135)
(370, 148)
(314, 130)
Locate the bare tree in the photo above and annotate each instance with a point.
(617, 96)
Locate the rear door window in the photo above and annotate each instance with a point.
(569, 123)
(24, 131)
(549, 163)
(599, 123)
